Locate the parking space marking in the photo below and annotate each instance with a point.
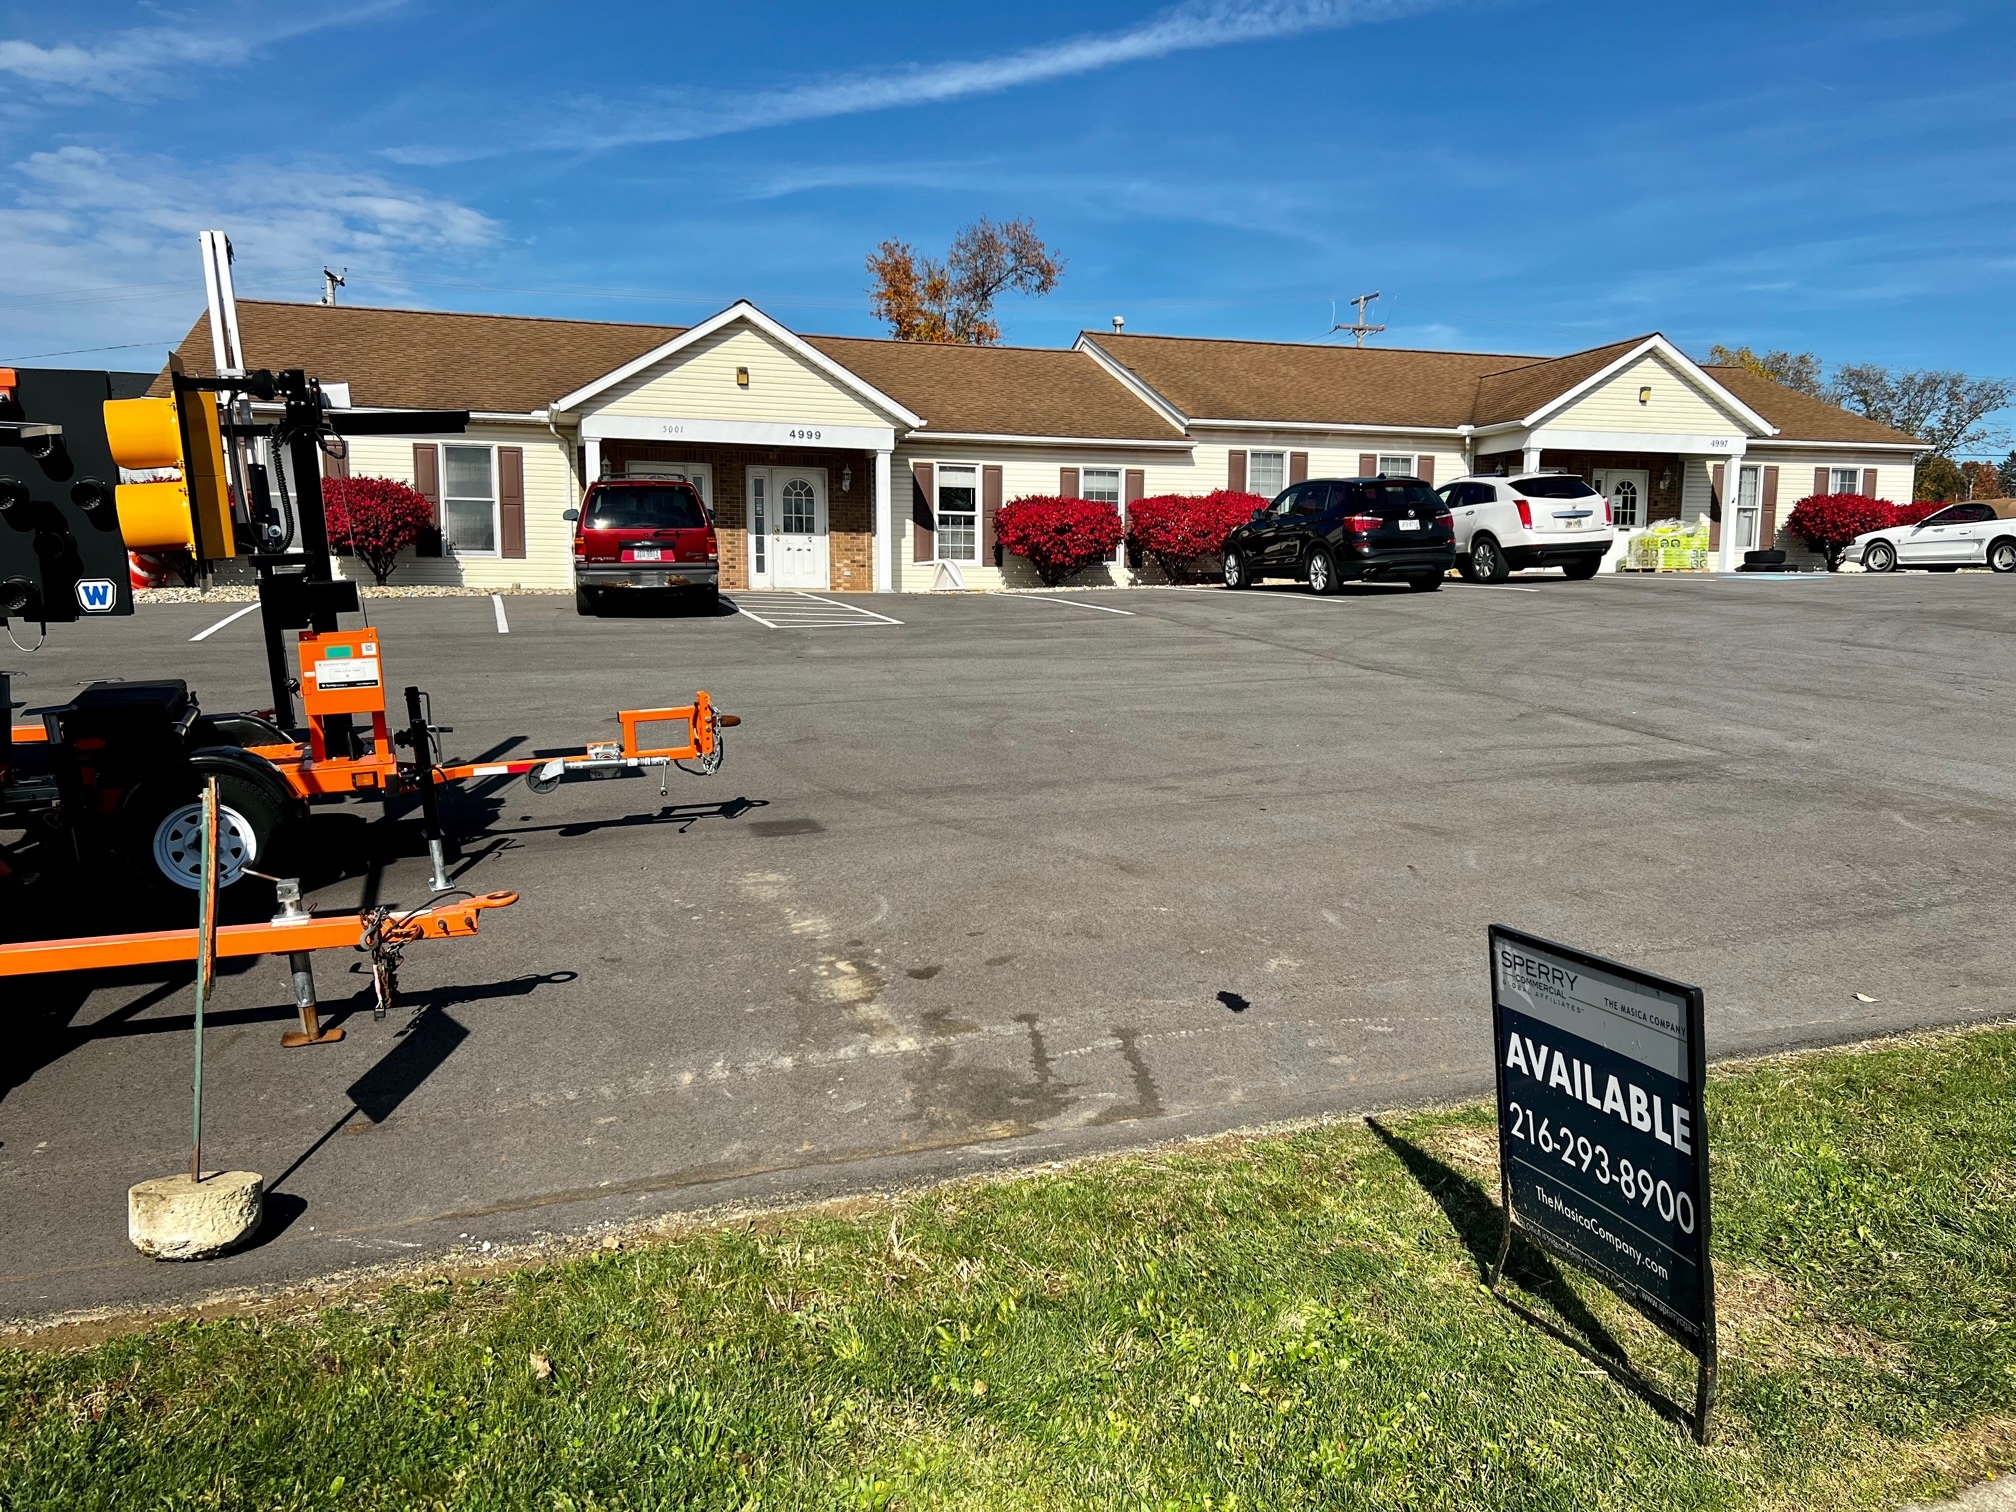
(503, 625)
(1502, 587)
(1037, 598)
(805, 611)
(227, 620)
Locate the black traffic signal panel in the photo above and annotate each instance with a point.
(62, 557)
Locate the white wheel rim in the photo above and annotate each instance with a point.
(1319, 574)
(178, 846)
(1231, 570)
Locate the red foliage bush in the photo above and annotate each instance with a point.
(1176, 529)
(376, 518)
(1058, 536)
(1828, 522)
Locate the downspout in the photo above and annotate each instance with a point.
(1468, 433)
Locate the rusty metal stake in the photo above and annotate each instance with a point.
(301, 969)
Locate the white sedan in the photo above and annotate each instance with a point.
(1960, 535)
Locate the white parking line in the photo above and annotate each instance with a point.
(1037, 598)
(805, 611)
(1503, 587)
(503, 625)
(227, 620)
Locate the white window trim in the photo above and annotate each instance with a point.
(448, 548)
(1834, 477)
(1380, 459)
(1119, 469)
(979, 511)
(1255, 451)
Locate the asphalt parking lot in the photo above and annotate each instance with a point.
(1004, 878)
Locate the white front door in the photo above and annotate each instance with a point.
(1630, 496)
(787, 527)
(699, 474)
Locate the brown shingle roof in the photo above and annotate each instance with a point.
(1518, 392)
(1283, 380)
(1800, 417)
(1013, 391)
(426, 359)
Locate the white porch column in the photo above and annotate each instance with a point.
(592, 463)
(1529, 459)
(885, 535)
(1731, 554)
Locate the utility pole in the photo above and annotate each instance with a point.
(1358, 328)
(331, 282)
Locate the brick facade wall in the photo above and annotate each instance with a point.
(850, 515)
(1661, 467)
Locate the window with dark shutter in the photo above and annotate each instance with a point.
(924, 531)
(427, 484)
(511, 500)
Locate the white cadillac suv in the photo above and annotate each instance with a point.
(1528, 520)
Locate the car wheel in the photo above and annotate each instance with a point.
(584, 601)
(1583, 567)
(1425, 582)
(1322, 572)
(1487, 561)
(2002, 555)
(1237, 573)
(1879, 556)
(164, 831)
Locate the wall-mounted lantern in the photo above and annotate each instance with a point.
(846, 480)
(741, 377)
(1645, 394)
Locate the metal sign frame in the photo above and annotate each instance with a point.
(1549, 1231)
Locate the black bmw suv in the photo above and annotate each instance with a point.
(1330, 530)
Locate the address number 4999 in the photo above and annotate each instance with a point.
(804, 435)
(1577, 1152)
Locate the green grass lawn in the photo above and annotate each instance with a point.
(1281, 1321)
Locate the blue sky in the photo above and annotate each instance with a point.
(1520, 177)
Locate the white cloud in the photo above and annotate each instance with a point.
(102, 247)
(145, 59)
(1191, 27)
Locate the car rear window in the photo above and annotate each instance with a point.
(667, 508)
(1555, 488)
(1399, 494)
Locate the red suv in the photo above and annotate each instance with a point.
(644, 534)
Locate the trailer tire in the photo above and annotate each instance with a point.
(161, 823)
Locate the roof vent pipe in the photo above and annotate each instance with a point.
(1118, 322)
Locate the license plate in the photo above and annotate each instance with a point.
(1410, 524)
(1571, 524)
(644, 554)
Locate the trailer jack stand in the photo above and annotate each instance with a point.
(301, 966)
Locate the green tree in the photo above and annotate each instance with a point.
(1799, 371)
(1938, 480)
(2007, 471)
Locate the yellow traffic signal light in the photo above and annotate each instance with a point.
(191, 513)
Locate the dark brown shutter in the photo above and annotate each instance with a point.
(1137, 485)
(1235, 472)
(1821, 482)
(1298, 467)
(990, 506)
(1767, 524)
(1368, 464)
(1067, 482)
(1715, 497)
(923, 519)
(427, 483)
(1868, 482)
(1424, 469)
(511, 500)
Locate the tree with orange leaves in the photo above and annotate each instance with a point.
(924, 299)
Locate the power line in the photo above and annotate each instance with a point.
(124, 346)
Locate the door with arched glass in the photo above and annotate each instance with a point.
(786, 512)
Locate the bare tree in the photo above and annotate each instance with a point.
(924, 299)
(1800, 371)
(1942, 409)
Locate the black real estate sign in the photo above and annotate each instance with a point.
(1602, 1145)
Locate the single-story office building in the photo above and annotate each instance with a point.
(846, 463)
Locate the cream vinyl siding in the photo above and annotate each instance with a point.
(550, 489)
(1795, 482)
(1329, 456)
(699, 383)
(1677, 406)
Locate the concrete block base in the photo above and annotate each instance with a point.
(176, 1218)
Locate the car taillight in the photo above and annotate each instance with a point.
(580, 548)
(1362, 524)
(1607, 520)
(1445, 520)
(1525, 513)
